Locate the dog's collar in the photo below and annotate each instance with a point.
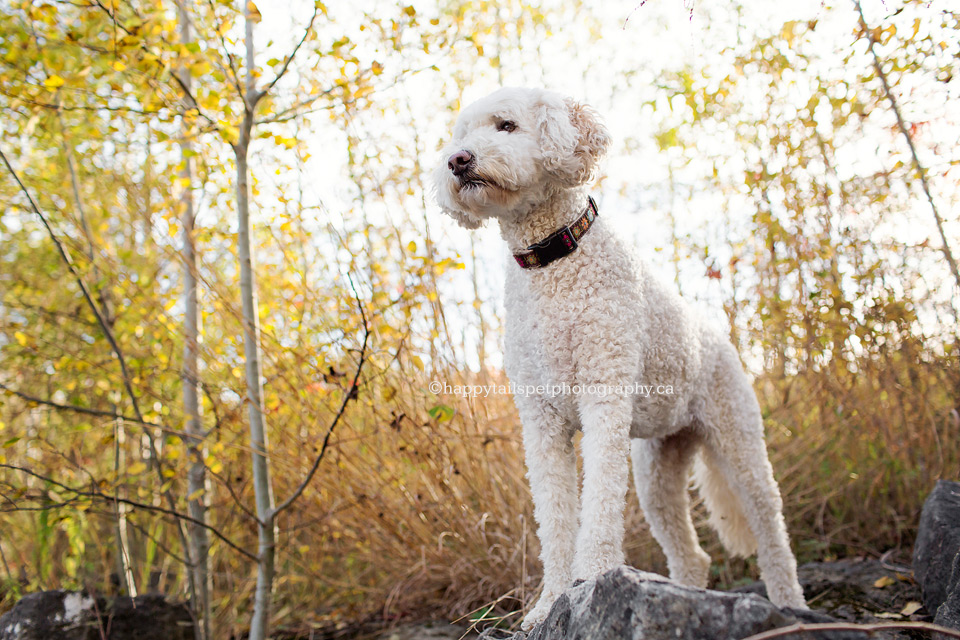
(559, 243)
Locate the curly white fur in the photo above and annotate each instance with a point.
(596, 318)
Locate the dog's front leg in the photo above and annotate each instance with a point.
(552, 472)
(606, 448)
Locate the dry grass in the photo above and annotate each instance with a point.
(416, 516)
(439, 517)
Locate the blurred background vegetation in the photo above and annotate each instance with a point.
(793, 170)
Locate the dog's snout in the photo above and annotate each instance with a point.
(460, 162)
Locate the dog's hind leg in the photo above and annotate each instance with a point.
(661, 469)
(552, 472)
(733, 435)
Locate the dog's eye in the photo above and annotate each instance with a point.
(507, 125)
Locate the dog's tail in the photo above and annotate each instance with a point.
(725, 509)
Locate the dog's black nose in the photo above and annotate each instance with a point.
(460, 162)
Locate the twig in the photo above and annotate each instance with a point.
(343, 405)
(156, 540)
(83, 288)
(233, 494)
(133, 503)
(90, 412)
(801, 627)
(234, 74)
(118, 353)
(948, 254)
(286, 64)
(159, 63)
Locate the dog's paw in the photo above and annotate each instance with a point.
(788, 595)
(539, 612)
(692, 570)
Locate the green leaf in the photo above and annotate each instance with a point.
(441, 413)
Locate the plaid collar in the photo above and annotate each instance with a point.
(560, 243)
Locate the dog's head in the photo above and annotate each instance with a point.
(512, 150)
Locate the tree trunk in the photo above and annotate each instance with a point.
(266, 531)
(197, 486)
(124, 571)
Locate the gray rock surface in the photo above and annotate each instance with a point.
(948, 613)
(71, 615)
(935, 560)
(854, 590)
(627, 604)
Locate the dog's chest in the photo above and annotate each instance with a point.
(558, 329)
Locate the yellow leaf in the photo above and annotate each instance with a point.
(199, 69)
(911, 608)
(885, 581)
(118, 66)
(229, 132)
(54, 82)
(253, 14)
(136, 468)
(21, 338)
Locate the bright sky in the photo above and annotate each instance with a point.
(614, 73)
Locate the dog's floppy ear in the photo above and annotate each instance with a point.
(594, 138)
(572, 139)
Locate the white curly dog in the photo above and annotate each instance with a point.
(637, 371)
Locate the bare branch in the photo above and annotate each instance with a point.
(300, 108)
(289, 59)
(133, 503)
(350, 393)
(233, 494)
(191, 100)
(104, 326)
(801, 627)
(83, 288)
(948, 254)
(57, 107)
(233, 73)
(90, 412)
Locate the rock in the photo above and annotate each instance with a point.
(70, 615)
(948, 613)
(935, 563)
(854, 589)
(627, 604)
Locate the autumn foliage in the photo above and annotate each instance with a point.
(783, 193)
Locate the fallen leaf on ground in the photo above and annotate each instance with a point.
(885, 581)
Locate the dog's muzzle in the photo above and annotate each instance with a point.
(461, 162)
